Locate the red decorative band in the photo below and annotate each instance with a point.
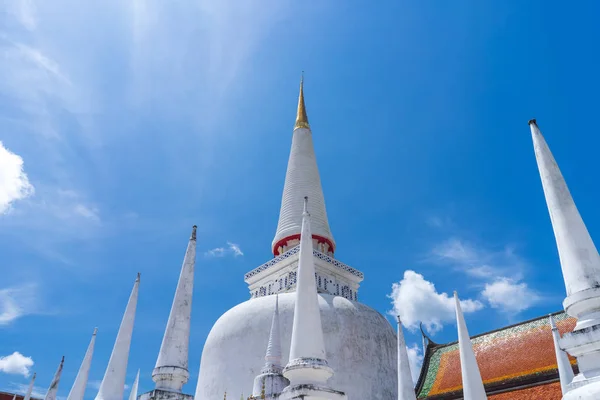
(320, 239)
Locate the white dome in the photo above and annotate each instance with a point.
(360, 345)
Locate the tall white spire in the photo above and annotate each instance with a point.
(273, 357)
(271, 381)
(307, 369)
(406, 389)
(134, 388)
(53, 389)
(565, 371)
(579, 257)
(30, 388)
(471, 377)
(113, 383)
(307, 332)
(78, 389)
(171, 371)
(302, 179)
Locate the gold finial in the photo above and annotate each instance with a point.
(301, 118)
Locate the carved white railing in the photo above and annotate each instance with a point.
(295, 250)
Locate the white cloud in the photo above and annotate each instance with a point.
(14, 184)
(416, 300)
(235, 249)
(15, 302)
(415, 360)
(510, 296)
(500, 270)
(16, 364)
(232, 248)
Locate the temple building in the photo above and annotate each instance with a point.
(516, 362)
(303, 334)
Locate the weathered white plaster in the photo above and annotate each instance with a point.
(302, 179)
(360, 345)
(565, 370)
(579, 257)
(406, 388)
(113, 383)
(159, 394)
(134, 388)
(171, 371)
(30, 388)
(53, 388)
(78, 390)
(471, 377)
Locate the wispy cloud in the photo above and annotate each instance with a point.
(16, 302)
(14, 184)
(478, 260)
(16, 364)
(498, 271)
(24, 11)
(231, 249)
(417, 300)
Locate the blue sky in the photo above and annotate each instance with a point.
(135, 120)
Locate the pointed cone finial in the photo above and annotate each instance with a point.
(301, 118)
(53, 389)
(471, 377)
(30, 389)
(134, 389)
(113, 382)
(579, 258)
(171, 369)
(273, 356)
(565, 370)
(406, 386)
(78, 389)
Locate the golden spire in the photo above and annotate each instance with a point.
(301, 118)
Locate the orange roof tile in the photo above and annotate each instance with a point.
(507, 357)
(548, 391)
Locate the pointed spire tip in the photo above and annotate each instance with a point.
(301, 117)
(193, 237)
(138, 277)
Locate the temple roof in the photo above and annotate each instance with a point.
(516, 356)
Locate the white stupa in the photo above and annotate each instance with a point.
(360, 343)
